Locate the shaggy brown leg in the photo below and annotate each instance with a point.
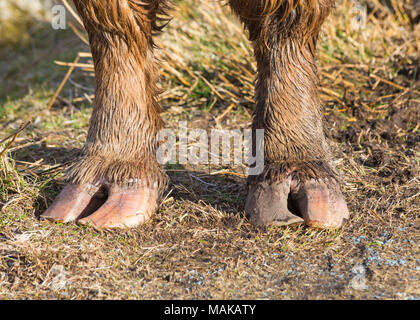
(298, 175)
(119, 156)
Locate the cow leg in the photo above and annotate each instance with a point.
(299, 180)
(116, 182)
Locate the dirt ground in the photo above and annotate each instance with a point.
(199, 245)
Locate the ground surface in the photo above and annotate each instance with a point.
(199, 245)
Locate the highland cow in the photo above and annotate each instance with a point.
(118, 162)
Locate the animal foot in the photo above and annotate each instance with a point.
(103, 206)
(317, 203)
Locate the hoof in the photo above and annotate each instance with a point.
(73, 202)
(316, 203)
(320, 203)
(103, 208)
(124, 209)
(267, 205)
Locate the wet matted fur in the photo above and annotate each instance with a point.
(121, 143)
